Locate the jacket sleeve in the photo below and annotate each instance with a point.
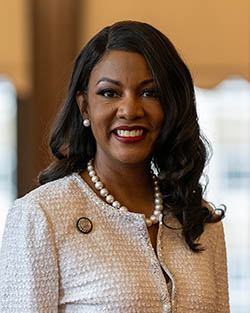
(28, 262)
(221, 272)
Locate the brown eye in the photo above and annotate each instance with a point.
(151, 93)
(108, 93)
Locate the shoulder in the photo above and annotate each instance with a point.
(213, 230)
(53, 189)
(214, 226)
(52, 205)
(51, 197)
(57, 191)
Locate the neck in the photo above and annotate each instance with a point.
(142, 199)
(130, 184)
(127, 175)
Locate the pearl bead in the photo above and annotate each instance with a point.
(110, 198)
(116, 204)
(157, 213)
(158, 201)
(155, 182)
(156, 188)
(104, 192)
(159, 207)
(90, 168)
(148, 222)
(95, 179)
(98, 185)
(92, 173)
(154, 219)
(157, 195)
(123, 208)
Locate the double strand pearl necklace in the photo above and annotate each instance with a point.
(153, 219)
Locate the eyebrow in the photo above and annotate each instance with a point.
(115, 82)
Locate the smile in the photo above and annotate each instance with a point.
(130, 134)
(127, 133)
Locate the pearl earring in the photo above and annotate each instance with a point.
(86, 122)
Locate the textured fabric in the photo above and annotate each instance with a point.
(48, 266)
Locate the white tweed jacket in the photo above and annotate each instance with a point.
(48, 266)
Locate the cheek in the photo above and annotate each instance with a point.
(100, 124)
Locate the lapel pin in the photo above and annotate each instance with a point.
(84, 225)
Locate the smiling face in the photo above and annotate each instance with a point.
(122, 105)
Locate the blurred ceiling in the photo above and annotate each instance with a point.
(212, 36)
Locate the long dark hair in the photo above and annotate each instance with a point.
(181, 150)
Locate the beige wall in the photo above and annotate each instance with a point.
(15, 45)
(213, 36)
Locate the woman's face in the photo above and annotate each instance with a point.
(122, 105)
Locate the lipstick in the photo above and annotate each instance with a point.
(130, 134)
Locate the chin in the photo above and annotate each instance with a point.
(132, 158)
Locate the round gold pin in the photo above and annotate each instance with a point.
(84, 225)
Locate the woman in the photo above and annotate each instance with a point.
(104, 233)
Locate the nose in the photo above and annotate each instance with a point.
(130, 108)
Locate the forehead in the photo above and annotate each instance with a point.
(121, 65)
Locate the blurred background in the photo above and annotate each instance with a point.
(41, 38)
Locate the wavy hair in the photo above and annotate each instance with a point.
(180, 152)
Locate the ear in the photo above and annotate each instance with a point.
(81, 99)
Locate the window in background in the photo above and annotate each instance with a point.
(8, 147)
(225, 119)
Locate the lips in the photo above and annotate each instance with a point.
(129, 134)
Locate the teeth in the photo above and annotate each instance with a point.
(132, 133)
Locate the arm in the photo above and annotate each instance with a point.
(220, 265)
(28, 262)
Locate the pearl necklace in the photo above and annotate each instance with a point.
(153, 219)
